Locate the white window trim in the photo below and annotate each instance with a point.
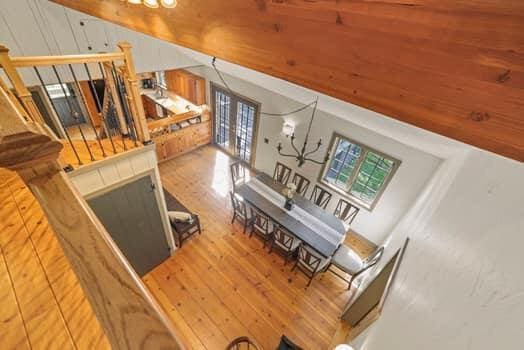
(345, 193)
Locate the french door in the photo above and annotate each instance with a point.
(235, 122)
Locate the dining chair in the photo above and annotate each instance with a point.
(302, 184)
(346, 260)
(287, 344)
(243, 343)
(261, 225)
(240, 211)
(281, 173)
(320, 196)
(238, 173)
(285, 242)
(346, 211)
(310, 262)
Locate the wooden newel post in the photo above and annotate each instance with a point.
(18, 85)
(134, 93)
(128, 314)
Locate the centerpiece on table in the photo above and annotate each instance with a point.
(289, 192)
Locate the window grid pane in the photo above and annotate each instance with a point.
(358, 171)
(373, 173)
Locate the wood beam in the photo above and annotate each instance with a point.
(452, 67)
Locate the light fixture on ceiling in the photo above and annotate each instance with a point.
(154, 3)
(302, 155)
(151, 3)
(168, 3)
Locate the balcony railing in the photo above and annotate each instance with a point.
(90, 102)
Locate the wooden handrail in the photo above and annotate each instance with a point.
(18, 85)
(36, 61)
(130, 317)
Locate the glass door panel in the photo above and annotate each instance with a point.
(235, 123)
(244, 130)
(222, 111)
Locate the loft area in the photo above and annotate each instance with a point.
(166, 188)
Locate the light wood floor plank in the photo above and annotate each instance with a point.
(45, 325)
(82, 324)
(52, 302)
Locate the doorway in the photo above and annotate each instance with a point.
(235, 123)
(131, 215)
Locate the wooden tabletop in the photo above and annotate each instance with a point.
(282, 217)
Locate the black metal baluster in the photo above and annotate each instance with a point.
(73, 113)
(100, 107)
(123, 100)
(112, 100)
(42, 84)
(85, 104)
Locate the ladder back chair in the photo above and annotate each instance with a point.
(243, 343)
(310, 262)
(346, 260)
(285, 242)
(302, 184)
(239, 211)
(281, 173)
(261, 225)
(320, 196)
(346, 211)
(238, 173)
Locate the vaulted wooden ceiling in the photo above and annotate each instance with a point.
(454, 67)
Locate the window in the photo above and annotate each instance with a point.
(357, 171)
(161, 79)
(57, 90)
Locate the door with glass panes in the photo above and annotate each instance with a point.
(235, 121)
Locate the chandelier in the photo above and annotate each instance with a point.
(154, 3)
(302, 155)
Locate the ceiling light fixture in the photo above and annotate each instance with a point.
(154, 3)
(302, 155)
(151, 3)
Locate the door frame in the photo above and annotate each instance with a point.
(235, 97)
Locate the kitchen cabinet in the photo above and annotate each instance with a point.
(149, 107)
(188, 85)
(171, 143)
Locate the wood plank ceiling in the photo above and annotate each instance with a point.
(454, 67)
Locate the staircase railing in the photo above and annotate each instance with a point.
(130, 317)
(103, 112)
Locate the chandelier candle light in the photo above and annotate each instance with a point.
(154, 3)
(302, 155)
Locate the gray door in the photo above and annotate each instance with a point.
(131, 216)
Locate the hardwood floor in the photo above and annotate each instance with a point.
(67, 156)
(42, 306)
(222, 284)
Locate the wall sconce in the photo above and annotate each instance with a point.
(288, 129)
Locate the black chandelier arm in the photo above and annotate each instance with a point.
(293, 144)
(313, 151)
(287, 155)
(315, 161)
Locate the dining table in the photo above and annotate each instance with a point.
(319, 229)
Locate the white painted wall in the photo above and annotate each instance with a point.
(416, 168)
(460, 285)
(39, 27)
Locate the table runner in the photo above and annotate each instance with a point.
(297, 213)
